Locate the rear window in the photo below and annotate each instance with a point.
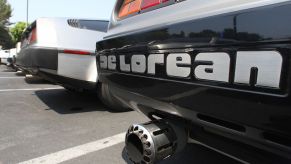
(94, 25)
(89, 24)
(25, 38)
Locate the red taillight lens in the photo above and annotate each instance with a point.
(77, 52)
(32, 36)
(123, 10)
(149, 3)
(134, 6)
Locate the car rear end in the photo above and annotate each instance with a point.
(76, 57)
(35, 51)
(61, 50)
(219, 69)
(4, 57)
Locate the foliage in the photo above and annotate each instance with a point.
(5, 39)
(17, 31)
(5, 14)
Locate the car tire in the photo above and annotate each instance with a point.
(109, 100)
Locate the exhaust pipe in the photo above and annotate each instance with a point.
(152, 142)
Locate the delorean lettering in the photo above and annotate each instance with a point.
(262, 68)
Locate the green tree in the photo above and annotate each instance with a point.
(5, 14)
(5, 39)
(17, 31)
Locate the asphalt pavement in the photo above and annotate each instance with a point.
(44, 123)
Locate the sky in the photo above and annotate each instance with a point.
(91, 9)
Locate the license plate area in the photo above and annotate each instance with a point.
(255, 70)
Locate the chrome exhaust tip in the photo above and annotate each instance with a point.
(152, 142)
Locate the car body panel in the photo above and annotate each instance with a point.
(84, 67)
(184, 10)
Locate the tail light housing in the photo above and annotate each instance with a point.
(149, 3)
(32, 36)
(134, 6)
(131, 7)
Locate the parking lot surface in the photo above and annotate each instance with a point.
(44, 123)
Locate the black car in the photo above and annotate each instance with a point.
(213, 73)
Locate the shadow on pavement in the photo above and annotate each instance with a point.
(194, 154)
(19, 74)
(66, 102)
(36, 80)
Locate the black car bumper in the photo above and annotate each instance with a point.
(32, 58)
(43, 62)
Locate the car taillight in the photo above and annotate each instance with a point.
(77, 52)
(32, 36)
(149, 3)
(134, 6)
(123, 10)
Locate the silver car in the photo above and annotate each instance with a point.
(62, 51)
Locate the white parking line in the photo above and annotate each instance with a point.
(29, 89)
(9, 72)
(75, 152)
(4, 77)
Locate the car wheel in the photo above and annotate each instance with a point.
(109, 100)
